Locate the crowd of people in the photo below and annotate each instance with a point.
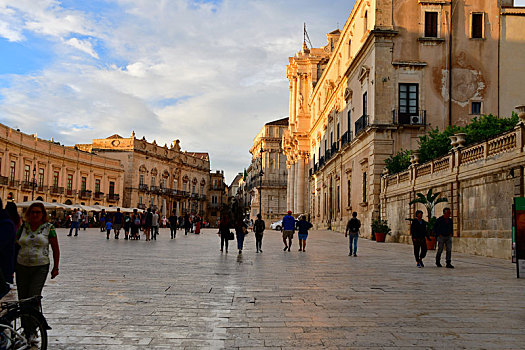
(148, 222)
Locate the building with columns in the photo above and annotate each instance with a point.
(396, 70)
(160, 177)
(269, 192)
(32, 168)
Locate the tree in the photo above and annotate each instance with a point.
(430, 200)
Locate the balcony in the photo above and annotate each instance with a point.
(202, 197)
(321, 162)
(335, 148)
(98, 196)
(361, 124)
(56, 191)
(27, 185)
(143, 188)
(418, 118)
(112, 197)
(84, 194)
(70, 193)
(195, 195)
(154, 189)
(327, 155)
(166, 191)
(141, 206)
(3, 180)
(41, 189)
(13, 183)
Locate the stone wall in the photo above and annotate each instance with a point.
(479, 182)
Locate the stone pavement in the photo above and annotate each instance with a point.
(183, 293)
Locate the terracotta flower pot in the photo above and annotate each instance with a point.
(380, 237)
(431, 245)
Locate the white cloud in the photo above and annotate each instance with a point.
(222, 67)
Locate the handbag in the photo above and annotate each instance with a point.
(231, 236)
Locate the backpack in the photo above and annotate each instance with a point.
(354, 225)
(258, 227)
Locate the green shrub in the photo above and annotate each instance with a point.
(435, 143)
(398, 162)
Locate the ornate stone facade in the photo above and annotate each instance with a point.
(156, 176)
(396, 69)
(268, 193)
(217, 196)
(32, 168)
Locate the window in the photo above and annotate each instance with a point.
(349, 120)
(408, 102)
(153, 180)
(475, 107)
(97, 186)
(12, 171)
(431, 24)
(349, 200)
(83, 183)
(27, 171)
(140, 200)
(70, 182)
(41, 177)
(192, 188)
(55, 178)
(337, 132)
(338, 199)
(111, 187)
(141, 179)
(364, 187)
(477, 26)
(365, 22)
(175, 184)
(365, 103)
(202, 190)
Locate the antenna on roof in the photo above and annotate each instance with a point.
(306, 37)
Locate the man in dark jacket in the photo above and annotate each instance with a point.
(352, 227)
(444, 232)
(258, 229)
(419, 233)
(7, 251)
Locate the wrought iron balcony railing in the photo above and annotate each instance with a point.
(361, 124)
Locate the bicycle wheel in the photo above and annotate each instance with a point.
(31, 325)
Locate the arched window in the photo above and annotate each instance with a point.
(365, 22)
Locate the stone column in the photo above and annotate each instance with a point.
(290, 189)
(295, 186)
(300, 186)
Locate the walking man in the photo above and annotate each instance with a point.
(419, 233)
(173, 224)
(288, 230)
(352, 227)
(155, 224)
(258, 228)
(118, 220)
(75, 222)
(444, 232)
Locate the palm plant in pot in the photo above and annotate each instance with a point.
(380, 228)
(430, 200)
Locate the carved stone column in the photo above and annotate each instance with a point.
(291, 180)
(300, 186)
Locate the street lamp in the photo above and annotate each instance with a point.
(33, 183)
(261, 173)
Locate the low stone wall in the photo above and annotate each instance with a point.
(479, 182)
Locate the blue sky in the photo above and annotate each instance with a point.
(207, 72)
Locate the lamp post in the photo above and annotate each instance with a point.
(33, 183)
(261, 173)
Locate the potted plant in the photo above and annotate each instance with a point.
(430, 200)
(380, 228)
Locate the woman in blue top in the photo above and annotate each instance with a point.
(303, 226)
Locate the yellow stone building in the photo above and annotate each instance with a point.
(161, 177)
(396, 70)
(32, 168)
(268, 193)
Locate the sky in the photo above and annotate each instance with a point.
(210, 73)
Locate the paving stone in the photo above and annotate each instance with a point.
(185, 294)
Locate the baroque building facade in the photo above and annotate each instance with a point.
(32, 168)
(269, 191)
(217, 196)
(161, 177)
(397, 69)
